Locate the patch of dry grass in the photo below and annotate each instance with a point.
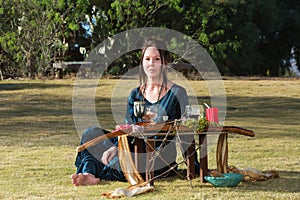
(38, 140)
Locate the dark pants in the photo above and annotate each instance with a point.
(89, 160)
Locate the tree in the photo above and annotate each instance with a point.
(119, 16)
(267, 30)
(206, 22)
(34, 33)
(244, 37)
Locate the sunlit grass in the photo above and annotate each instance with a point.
(38, 138)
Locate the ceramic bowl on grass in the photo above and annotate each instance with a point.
(229, 180)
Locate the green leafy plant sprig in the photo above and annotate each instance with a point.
(200, 125)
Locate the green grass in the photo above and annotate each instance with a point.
(38, 140)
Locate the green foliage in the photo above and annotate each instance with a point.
(261, 26)
(114, 70)
(199, 125)
(244, 37)
(34, 33)
(1, 8)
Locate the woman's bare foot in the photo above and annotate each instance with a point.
(84, 179)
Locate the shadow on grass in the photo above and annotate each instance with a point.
(30, 111)
(240, 106)
(39, 85)
(262, 110)
(32, 85)
(261, 106)
(39, 105)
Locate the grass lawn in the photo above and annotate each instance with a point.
(38, 140)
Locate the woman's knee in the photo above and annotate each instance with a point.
(91, 133)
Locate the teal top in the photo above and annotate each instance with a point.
(171, 105)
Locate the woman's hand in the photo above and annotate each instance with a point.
(147, 116)
(109, 154)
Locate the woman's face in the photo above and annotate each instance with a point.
(152, 63)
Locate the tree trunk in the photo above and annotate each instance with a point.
(1, 76)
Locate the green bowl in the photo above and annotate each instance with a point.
(229, 180)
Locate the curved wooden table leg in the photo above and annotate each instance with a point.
(150, 161)
(190, 162)
(138, 152)
(222, 153)
(203, 157)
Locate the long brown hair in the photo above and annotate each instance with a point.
(164, 57)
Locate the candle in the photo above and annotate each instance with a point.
(212, 115)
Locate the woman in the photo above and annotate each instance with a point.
(101, 162)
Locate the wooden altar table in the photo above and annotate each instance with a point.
(221, 153)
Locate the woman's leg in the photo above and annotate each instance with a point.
(90, 169)
(88, 161)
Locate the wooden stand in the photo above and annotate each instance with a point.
(150, 162)
(153, 129)
(221, 154)
(203, 157)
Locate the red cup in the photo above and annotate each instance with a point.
(212, 115)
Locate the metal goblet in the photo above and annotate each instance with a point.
(139, 109)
